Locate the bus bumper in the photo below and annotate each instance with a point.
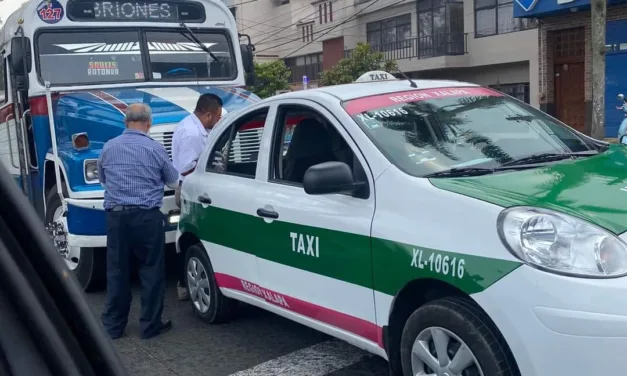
(86, 222)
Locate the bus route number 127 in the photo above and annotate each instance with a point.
(50, 14)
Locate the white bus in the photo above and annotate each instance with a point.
(97, 57)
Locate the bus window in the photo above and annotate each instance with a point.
(174, 55)
(89, 57)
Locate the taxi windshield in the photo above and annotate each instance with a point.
(428, 131)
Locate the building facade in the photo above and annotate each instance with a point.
(471, 40)
(566, 59)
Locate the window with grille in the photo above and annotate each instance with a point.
(306, 31)
(306, 65)
(497, 17)
(325, 12)
(389, 34)
(519, 91)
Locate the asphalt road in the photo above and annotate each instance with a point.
(255, 343)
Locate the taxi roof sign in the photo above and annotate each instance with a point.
(373, 76)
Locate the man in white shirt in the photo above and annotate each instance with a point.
(188, 142)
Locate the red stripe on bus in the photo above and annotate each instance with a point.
(357, 106)
(115, 102)
(5, 111)
(351, 324)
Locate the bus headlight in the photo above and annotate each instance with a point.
(91, 171)
(562, 244)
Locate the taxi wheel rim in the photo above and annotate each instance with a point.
(73, 255)
(439, 352)
(198, 284)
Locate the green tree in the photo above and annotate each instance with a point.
(362, 59)
(270, 77)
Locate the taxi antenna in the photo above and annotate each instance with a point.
(411, 83)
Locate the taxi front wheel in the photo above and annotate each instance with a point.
(205, 295)
(451, 336)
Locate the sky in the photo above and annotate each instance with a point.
(9, 6)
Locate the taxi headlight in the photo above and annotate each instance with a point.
(91, 171)
(562, 244)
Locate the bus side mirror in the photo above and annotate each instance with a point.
(20, 63)
(247, 58)
(249, 64)
(20, 53)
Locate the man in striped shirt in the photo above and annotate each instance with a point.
(133, 169)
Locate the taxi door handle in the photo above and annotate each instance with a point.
(204, 199)
(267, 213)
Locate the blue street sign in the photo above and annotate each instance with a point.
(305, 80)
(527, 5)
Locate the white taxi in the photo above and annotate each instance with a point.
(449, 228)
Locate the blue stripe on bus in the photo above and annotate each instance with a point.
(85, 221)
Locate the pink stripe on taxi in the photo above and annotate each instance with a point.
(357, 106)
(355, 325)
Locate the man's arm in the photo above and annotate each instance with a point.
(169, 174)
(192, 147)
(101, 175)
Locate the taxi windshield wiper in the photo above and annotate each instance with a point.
(193, 38)
(548, 157)
(462, 171)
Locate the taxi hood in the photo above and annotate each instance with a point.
(591, 188)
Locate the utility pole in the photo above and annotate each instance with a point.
(598, 18)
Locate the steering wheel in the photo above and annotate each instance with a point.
(179, 71)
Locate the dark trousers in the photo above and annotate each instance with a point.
(135, 233)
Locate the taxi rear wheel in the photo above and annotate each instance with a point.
(207, 300)
(451, 336)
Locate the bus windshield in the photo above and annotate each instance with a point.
(88, 57)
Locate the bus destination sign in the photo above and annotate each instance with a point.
(138, 11)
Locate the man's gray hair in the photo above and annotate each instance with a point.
(138, 112)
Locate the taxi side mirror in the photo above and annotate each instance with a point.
(330, 177)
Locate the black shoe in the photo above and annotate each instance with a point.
(164, 327)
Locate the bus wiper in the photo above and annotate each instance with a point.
(462, 171)
(547, 157)
(195, 39)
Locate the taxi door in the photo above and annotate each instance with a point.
(218, 198)
(314, 254)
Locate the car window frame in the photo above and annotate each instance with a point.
(278, 130)
(46, 293)
(228, 129)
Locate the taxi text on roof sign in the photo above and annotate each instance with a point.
(375, 76)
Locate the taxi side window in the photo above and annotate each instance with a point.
(303, 138)
(237, 149)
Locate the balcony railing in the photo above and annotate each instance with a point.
(449, 44)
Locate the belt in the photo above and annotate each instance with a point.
(118, 208)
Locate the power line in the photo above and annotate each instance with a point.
(346, 28)
(338, 25)
(295, 23)
(264, 22)
(326, 30)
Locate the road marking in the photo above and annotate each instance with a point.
(317, 360)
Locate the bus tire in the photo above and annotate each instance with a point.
(208, 302)
(460, 326)
(91, 264)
